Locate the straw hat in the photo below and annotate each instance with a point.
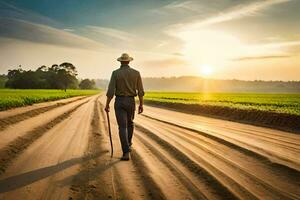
(125, 57)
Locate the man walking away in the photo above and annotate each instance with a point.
(125, 83)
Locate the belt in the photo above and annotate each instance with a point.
(124, 96)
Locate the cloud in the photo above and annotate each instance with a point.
(177, 54)
(216, 47)
(161, 44)
(281, 44)
(275, 50)
(185, 5)
(236, 12)
(69, 29)
(8, 10)
(125, 41)
(110, 32)
(24, 30)
(183, 8)
(168, 62)
(262, 57)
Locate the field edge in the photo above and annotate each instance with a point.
(15, 98)
(280, 121)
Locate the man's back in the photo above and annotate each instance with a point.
(125, 81)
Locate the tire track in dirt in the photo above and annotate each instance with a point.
(13, 119)
(108, 178)
(141, 181)
(21, 128)
(96, 178)
(177, 174)
(181, 185)
(45, 169)
(154, 190)
(258, 171)
(85, 184)
(283, 140)
(278, 161)
(198, 171)
(262, 181)
(17, 146)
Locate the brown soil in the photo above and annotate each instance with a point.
(64, 153)
(14, 148)
(13, 119)
(99, 178)
(281, 121)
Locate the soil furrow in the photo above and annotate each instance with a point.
(8, 121)
(200, 172)
(215, 151)
(281, 121)
(288, 140)
(64, 153)
(14, 148)
(151, 189)
(248, 151)
(100, 177)
(85, 184)
(189, 186)
(284, 178)
(288, 144)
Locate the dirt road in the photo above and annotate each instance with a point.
(61, 151)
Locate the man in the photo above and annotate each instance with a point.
(125, 83)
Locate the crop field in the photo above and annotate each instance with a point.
(10, 98)
(280, 103)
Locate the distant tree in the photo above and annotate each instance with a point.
(42, 68)
(87, 84)
(3, 79)
(14, 77)
(66, 76)
(61, 76)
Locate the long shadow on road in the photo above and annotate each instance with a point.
(27, 178)
(88, 175)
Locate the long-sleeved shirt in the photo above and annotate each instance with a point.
(125, 81)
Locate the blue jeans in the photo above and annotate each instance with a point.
(124, 110)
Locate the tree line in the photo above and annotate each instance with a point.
(63, 76)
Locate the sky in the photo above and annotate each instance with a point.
(221, 39)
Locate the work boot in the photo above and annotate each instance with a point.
(125, 156)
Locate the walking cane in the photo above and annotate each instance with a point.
(109, 132)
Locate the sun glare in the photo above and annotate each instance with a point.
(214, 47)
(206, 70)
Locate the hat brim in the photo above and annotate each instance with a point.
(125, 59)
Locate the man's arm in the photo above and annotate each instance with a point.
(141, 94)
(108, 100)
(141, 108)
(110, 91)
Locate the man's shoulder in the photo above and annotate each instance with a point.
(130, 69)
(116, 71)
(134, 70)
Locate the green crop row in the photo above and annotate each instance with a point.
(280, 103)
(10, 98)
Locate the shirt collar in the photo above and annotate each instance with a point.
(124, 66)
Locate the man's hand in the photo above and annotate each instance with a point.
(106, 108)
(141, 109)
(107, 104)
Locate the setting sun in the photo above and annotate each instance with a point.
(206, 70)
(206, 46)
